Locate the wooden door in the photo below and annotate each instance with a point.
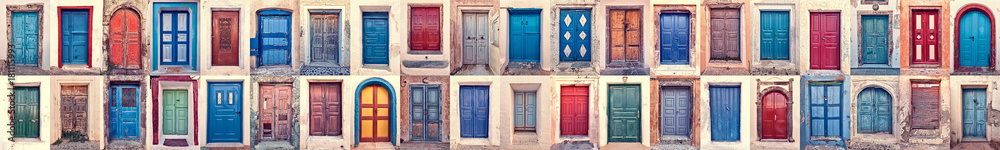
(375, 119)
(574, 35)
(425, 109)
(225, 38)
(574, 110)
(925, 48)
(625, 28)
(974, 113)
(74, 109)
(824, 40)
(624, 114)
(25, 118)
(225, 112)
(125, 39)
(874, 111)
(275, 112)
(724, 102)
(25, 38)
(75, 37)
(376, 38)
(124, 115)
(475, 40)
(675, 111)
(425, 28)
(675, 32)
(524, 111)
(774, 35)
(774, 116)
(975, 40)
(525, 35)
(474, 103)
(274, 30)
(175, 112)
(925, 106)
(725, 26)
(825, 110)
(874, 40)
(325, 109)
(174, 35)
(325, 42)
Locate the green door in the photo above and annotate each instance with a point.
(175, 112)
(624, 124)
(874, 40)
(26, 112)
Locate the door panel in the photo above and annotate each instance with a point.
(725, 25)
(774, 119)
(225, 38)
(475, 42)
(574, 35)
(874, 111)
(925, 46)
(325, 109)
(674, 38)
(325, 37)
(374, 114)
(274, 33)
(124, 113)
(74, 108)
(925, 103)
(225, 113)
(874, 40)
(625, 29)
(75, 37)
(174, 35)
(675, 111)
(774, 35)
(825, 110)
(975, 40)
(26, 119)
(175, 112)
(974, 113)
(376, 37)
(275, 112)
(524, 111)
(525, 36)
(474, 104)
(25, 38)
(574, 110)
(125, 39)
(824, 40)
(725, 106)
(425, 28)
(425, 109)
(624, 123)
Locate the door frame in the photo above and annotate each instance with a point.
(30, 8)
(140, 103)
(392, 108)
(820, 33)
(558, 29)
(912, 43)
(845, 102)
(193, 17)
(607, 54)
(958, 18)
(962, 110)
(157, 86)
(659, 44)
(90, 31)
(608, 111)
(892, 104)
(889, 38)
(212, 26)
(511, 12)
(309, 33)
(141, 50)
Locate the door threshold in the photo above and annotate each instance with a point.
(223, 145)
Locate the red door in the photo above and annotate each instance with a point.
(425, 28)
(774, 119)
(125, 39)
(225, 38)
(573, 111)
(324, 109)
(925, 48)
(824, 41)
(275, 113)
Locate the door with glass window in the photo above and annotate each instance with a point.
(425, 109)
(124, 113)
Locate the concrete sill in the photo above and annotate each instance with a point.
(422, 52)
(575, 138)
(965, 140)
(826, 139)
(223, 145)
(474, 141)
(376, 66)
(28, 140)
(326, 138)
(75, 67)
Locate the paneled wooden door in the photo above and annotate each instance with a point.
(574, 35)
(74, 108)
(124, 115)
(376, 38)
(874, 39)
(675, 33)
(774, 35)
(774, 117)
(325, 42)
(175, 112)
(174, 34)
(574, 110)
(675, 111)
(725, 26)
(225, 38)
(274, 30)
(624, 114)
(625, 29)
(525, 34)
(925, 48)
(425, 28)
(325, 115)
(125, 39)
(974, 113)
(425, 112)
(26, 119)
(375, 120)
(975, 38)
(74, 36)
(475, 38)
(874, 111)
(925, 103)
(826, 110)
(725, 106)
(275, 112)
(824, 40)
(474, 103)
(524, 111)
(25, 38)
(225, 113)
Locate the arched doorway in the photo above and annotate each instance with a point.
(874, 111)
(774, 116)
(974, 39)
(375, 112)
(126, 39)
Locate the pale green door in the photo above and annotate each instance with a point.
(175, 112)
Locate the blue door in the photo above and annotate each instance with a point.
(774, 35)
(225, 112)
(874, 40)
(675, 111)
(725, 105)
(25, 28)
(274, 33)
(974, 35)
(75, 37)
(525, 34)
(124, 114)
(974, 113)
(874, 111)
(376, 37)
(674, 42)
(825, 110)
(474, 102)
(174, 37)
(574, 35)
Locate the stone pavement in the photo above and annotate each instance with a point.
(89, 145)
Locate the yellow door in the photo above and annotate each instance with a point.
(374, 114)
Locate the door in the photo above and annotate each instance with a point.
(774, 117)
(626, 35)
(275, 112)
(524, 111)
(774, 35)
(724, 102)
(974, 113)
(75, 36)
(824, 40)
(525, 35)
(175, 112)
(925, 46)
(374, 112)
(73, 107)
(825, 110)
(574, 38)
(225, 113)
(174, 37)
(874, 111)
(26, 110)
(725, 34)
(125, 39)
(425, 109)
(874, 40)
(623, 113)
(425, 28)
(25, 38)
(925, 106)
(376, 37)
(474, 103)
(574, 110)
(325, 42)
(675, 111)
(225, 38)
(324, 109)
(475, 45)
(124, 113)
(675, 30)
(975, 40)
(274, 32)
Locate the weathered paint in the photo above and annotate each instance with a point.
(49, 118)
(436, 132)
(693, 48)
(752, 90)
(826, 104)
(957, 88)
(501, 117)
(604, 106)
(944, 31)
(185, 102)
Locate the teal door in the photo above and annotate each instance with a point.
(25, 38)
(974, 113)
(75, 37)
(624, 123)
(774, 35)
(874, 40)
(175, 112)
(874, 111)
(125, 112)
(525, 34)
(974, 40)
(26, 112)
(375, 48)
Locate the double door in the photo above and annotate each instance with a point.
(275, 112)
(625, 29)
(425, 112)
(175, 112)
(475, 39)
(25, 38)
(474, 105)
(874, 40)
(325, 115)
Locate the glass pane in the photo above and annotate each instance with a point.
(128, 97)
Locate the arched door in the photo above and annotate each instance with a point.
(774, 117)
(874, 111)
(974, 40)
(125, 39)
(374, 113)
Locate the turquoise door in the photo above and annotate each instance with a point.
(874, 40)
(376, 38)
(874, 111)
(974, 40)
(124, 114)
(525, 34)
(974, 113)
(774, 35)
(75, 37)
(25, 28)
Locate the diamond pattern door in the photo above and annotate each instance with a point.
(574, 37)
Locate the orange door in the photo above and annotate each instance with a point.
(374, 114)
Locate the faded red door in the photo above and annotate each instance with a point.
(925, 35)
(824, 40)
(74, 109)
(926, 103)
(725, 28)
(626, 35)
(125, 39)
(275, 112)
(225, 38)
(324, 109)
(425, 28)
(774, 119)
(573, 110)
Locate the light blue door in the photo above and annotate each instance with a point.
(174, 37)
(225, 113)
(774, 35)
(274, 33)
(874, 111)
(124, 114)
(974, 113)
(574, 35)
(25, 28)
(974, 32)
(825, 110)
(376, 38)
(674, 42)
(725, 106)
(525, 34)
(75, 37)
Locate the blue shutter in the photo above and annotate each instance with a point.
(725, 107)
(574, 35)
(874, 40)
(975, 40)
(376, 37)
(874, 111)
(75, 37)
(674, 38)
(525, 34)
(474, 105)
(274, 33)
(25, 38)
(774, 35)
(974, 113)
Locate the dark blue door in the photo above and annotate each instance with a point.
(874, 111)
(175, 42)
(376, 37)
(574, 35)
(525, 34)
(874, 40)
(75, 37)
(25, 28)
(774, 35)
(124, 115)
(275, 38)
(974, 35)
(725, 106)
(974, 113)
(674, 42)
(225, 117)
(475, 111)
(825, 110)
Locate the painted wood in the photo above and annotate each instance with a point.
(774, 43)
(574, 35)
(874, 39)
(175, 112)
(974, 113)
(826, 110)
(175, 38)
(73, 107)
(874, 111)
(325, 40)
(26, 118)
(925, 33)
(724, 103)
(225, 112)
(25, 38)
(425, 28)
(675, 111)
(376, 38)
(675, 32)
(925, 103)
(625, 29)
(225, 38)
(75, 37)
(474, 105)
(525, 34)
(275, 112)
(125, 39)
(824, 40)
(325, 117)
(475, 42)
(624, 114)
(124, 114)
(725, 34)
(524, 111)
(274, 30)
(375, 117)
(574, 110)
(975, 38)
(425, 112)
(774, 118)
